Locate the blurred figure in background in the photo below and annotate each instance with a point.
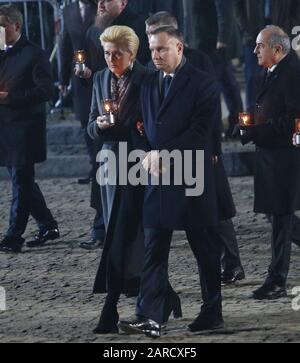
(218, 37)
(78, 17)
(26, 85)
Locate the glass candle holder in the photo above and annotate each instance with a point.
(80, 59)
(110, 110)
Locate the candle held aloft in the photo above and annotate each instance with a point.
(110, 111)
(80, 58)
(245, 119)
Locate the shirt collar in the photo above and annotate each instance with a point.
(272, 69)
(167, 74)
(82, 5)
(182, 63)
(6, 47)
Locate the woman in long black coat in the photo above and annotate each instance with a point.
(122, 257)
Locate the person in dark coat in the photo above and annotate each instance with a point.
(77, 18)
(178, 111)
(116, 12)
(232, 269)
(218, 37)
(121, 261)
(277, 161)
(26, 84)
(251, 17)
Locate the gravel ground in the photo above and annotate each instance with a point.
(48, 289)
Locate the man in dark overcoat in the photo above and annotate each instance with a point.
(277, 161)
(26, 84)
(232, 269)
(178, 111)
(77, 18)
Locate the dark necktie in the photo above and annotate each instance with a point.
(268, 76)
(166, 85)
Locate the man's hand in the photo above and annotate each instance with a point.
(215, 159)
(246, 134)
(3, 98)
(152, 163)
(221, 45)
(86, 73)
(102, 122)
(294, 140)
(63, 89)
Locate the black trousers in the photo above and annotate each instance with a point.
(27, 199)
(229, 87)
(88, 141)
(282, 231)
(296, 231)
(230, 259)
(154, 288)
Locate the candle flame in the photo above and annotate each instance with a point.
(297, 125)
(245, 119)
(80, 56)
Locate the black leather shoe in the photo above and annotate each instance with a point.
(43, 237)
(92, 245)
(146, 326)
(230, 277)
(207, 321)
(270, 291)
(11, 245)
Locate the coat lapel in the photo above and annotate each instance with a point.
(265, 85)
(178, 83)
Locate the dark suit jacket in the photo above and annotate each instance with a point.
(286, 14)
(277, 171)
(184, 121)
(73, 39)
(25, 73)
(148, 7)
(250, 17)
(215, 23)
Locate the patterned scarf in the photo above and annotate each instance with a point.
(119, 89)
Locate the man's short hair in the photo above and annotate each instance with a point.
(162, 18)
(278, 36)
(12, 14)
(173, 33)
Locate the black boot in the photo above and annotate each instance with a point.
(173, 304)
(109, 315)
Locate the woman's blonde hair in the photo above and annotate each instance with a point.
(122, 36)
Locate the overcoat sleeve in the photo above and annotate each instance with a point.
(41, 90)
